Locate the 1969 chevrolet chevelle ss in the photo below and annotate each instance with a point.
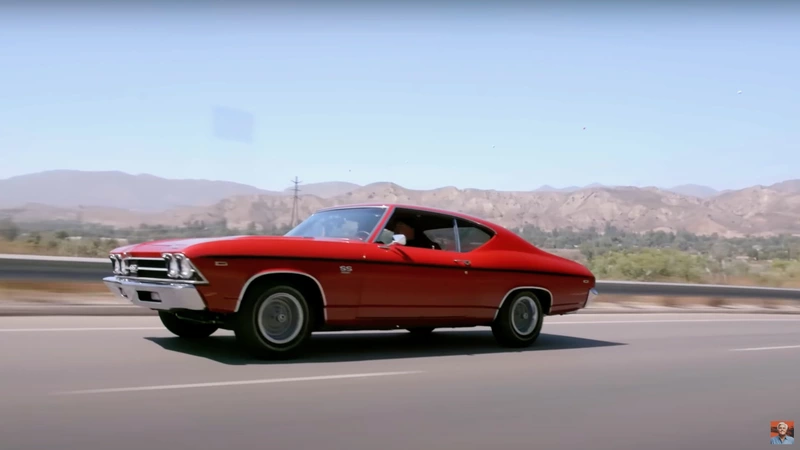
(353, 267)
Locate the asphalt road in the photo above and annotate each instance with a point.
(602, 382)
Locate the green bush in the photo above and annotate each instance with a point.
(649, 265)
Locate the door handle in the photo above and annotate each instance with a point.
(462, 261)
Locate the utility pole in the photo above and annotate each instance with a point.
(295, 200)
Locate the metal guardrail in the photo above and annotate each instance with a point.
(56, 268)
(53, 268)
(695, 290)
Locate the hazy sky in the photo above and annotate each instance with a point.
(482, 98)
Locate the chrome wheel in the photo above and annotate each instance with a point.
(524, 315)
(519, 320)
(280, 318)
(274, 322)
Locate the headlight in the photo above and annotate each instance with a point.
(115, 264)
(178, 266)
(186, 270)
(173, 267)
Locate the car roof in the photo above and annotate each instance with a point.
(496, 228)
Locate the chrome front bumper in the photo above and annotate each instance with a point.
(591, 297)
(161, 296)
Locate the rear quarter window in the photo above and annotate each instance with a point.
(472, 236)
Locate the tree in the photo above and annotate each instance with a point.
(720, 251)
(8, 230)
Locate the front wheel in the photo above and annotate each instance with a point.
(186, 328)
(519, 321)
(275, 323)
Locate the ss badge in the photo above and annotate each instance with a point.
(345, 269)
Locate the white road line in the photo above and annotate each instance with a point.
(764, 348)
(238, 383)
(28, 330)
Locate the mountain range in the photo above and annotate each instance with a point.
(120, 199)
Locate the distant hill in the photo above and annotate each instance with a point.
(548, 188)
(694, 190)
(327, 189)
(790, 186)
(73, 188)
(757, 210)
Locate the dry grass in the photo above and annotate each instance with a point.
(787, 283)
(64, 287)
(21, 248)
(55, 292)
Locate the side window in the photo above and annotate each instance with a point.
(422, 229)
(445, 238)
(472, 236)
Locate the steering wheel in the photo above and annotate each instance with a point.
(362, 235)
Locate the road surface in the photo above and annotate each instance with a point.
(617, 382)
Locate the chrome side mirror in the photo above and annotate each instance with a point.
(397, 239)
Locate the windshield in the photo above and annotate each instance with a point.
(350, 223)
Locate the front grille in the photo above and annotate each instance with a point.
(156, 269)
(152, 268)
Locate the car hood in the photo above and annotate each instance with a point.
(167, 245)
(216, 245)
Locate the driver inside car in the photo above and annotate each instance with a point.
(411, 240)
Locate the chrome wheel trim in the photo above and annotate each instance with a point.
(524, 315)
(280, 318)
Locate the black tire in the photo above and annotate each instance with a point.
(504, 329)
(184, 328)
(293, 307)
(421, 331)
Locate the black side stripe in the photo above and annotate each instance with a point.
(394, 263)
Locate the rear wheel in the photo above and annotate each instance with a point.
(519, 321)
(186, 328)
(274, 323)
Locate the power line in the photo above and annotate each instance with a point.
(295, 200)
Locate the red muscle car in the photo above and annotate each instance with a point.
(353, 267)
